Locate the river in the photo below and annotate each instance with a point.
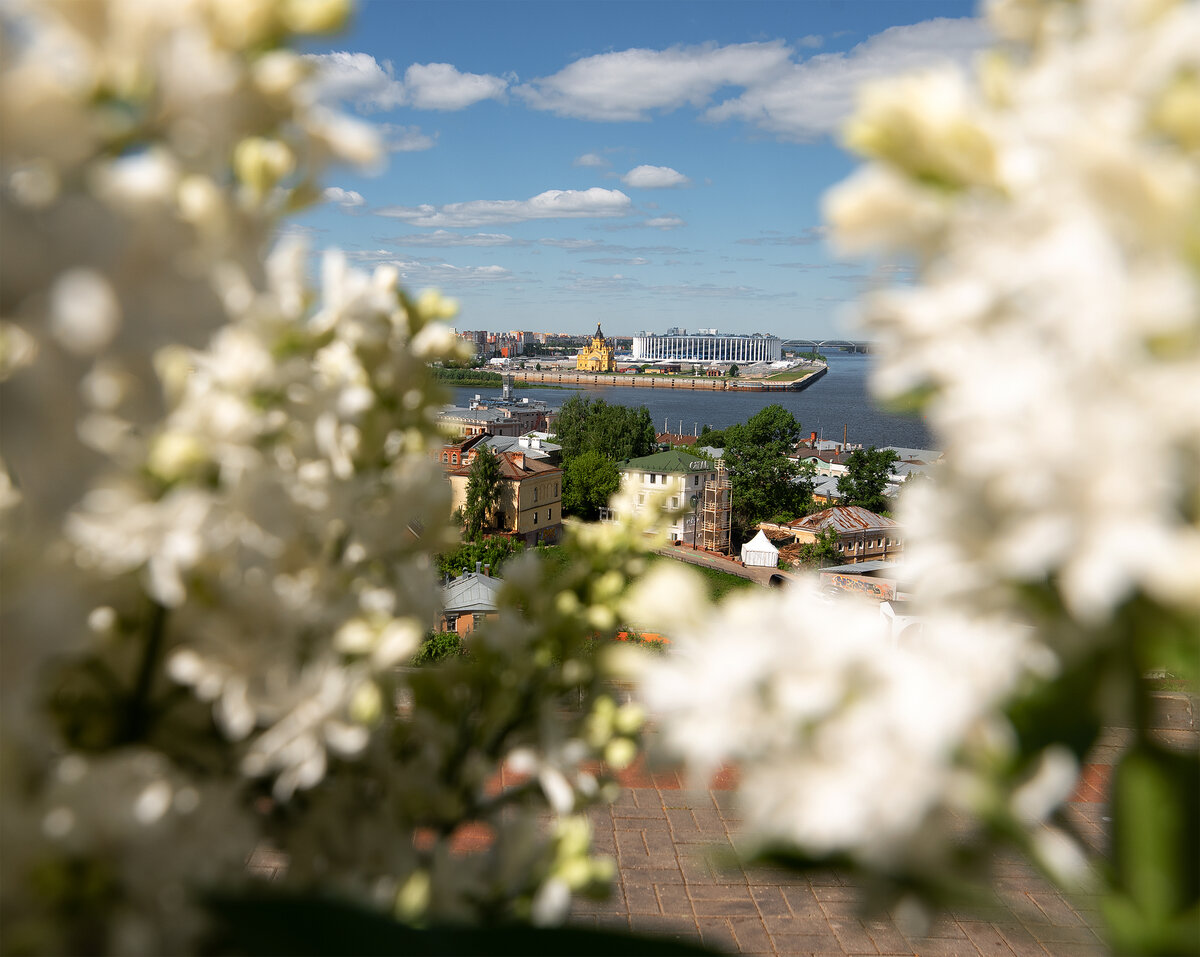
(838, 400)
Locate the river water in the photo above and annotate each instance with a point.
(840, 400)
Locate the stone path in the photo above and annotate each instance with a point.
(664, 838)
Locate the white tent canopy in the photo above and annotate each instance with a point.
(759, 552)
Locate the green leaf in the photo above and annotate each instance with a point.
(1156, 837)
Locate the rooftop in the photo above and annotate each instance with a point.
(471, 592)
(672, 460)
(844, 518)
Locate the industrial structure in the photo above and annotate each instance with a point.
(715, 512)
(708, 346)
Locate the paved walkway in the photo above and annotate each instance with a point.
(665, 837)
(697, 556)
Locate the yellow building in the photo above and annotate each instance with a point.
(600, 356)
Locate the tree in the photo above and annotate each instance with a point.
(822, 552)
(614, 431)
(733, 371)
(866, 477)
(483, 492)
(589, 481)
(766, 483)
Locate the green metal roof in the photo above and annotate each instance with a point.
(673, 460)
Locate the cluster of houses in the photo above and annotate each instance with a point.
(674, 479)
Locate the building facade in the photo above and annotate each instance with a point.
(530, 506)
(678, 476)
(709, 347)
(861, 534)
(600, 355)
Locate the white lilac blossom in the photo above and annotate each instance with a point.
(1050, 205)
(219, 508)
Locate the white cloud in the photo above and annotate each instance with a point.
(445, 238)
(665, 222)
(439, 86)
(783, 92)
(816, 96)
(405, 139)
(362, 81)
(633, 83)
(345, 198)
(619, 261)
(806, 237)
(590, 159)
(552, 204)
(418, 272)
(654, 177)
(356, 78)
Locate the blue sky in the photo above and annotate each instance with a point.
(639, 164)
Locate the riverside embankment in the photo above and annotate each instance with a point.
(704, 383)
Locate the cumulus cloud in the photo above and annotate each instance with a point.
(345, 198)
(784, 89)
(632, 84)
(405, 139)
(552, 204)
(356, 78)
(363, 82)
(814, 97)
(591, 159)
(439, 86)
(654, 177)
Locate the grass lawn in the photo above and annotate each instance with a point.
(790, 375)
(719, 583)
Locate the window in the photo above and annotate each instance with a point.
(695, 480)
(550, 514)
(556, 490)
(535, 493)
(535, 518)
(445, 456)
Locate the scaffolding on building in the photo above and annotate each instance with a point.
(715, 512)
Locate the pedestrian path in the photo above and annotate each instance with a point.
(666, 838)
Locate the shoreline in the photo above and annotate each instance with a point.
(576, 379)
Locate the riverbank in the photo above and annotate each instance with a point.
(637, 380)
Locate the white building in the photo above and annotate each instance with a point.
(678, 475)
(708, 346)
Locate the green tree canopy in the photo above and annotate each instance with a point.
(589, 481)
(766, 484)
(866, 477)
(615, 431)
(483, 492)
(822, 552)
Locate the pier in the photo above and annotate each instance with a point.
(638, 380)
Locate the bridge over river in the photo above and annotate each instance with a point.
(816, 345)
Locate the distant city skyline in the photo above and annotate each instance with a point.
(643, 166)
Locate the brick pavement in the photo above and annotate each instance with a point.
(666, 837)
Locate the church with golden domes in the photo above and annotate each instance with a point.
(600, 356)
